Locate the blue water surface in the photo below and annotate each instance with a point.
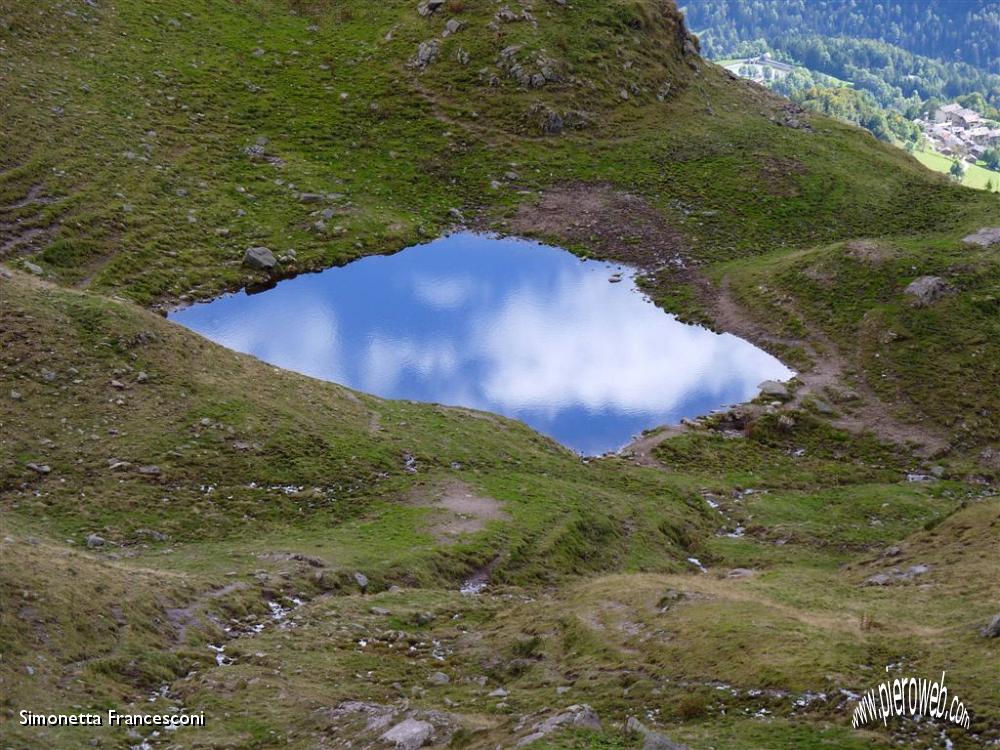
(499, 324)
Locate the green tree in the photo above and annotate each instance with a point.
(992, 158)
(957, 171)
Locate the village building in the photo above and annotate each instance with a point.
(957, 131)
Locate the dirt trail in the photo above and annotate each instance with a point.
(624, 227)
(94, 269)
(641, 449)
(459, 509)
(830, 371)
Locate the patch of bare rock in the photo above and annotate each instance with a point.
(897, 576)
(580, 716)
(393, 726)
(927, 290)
(651, 739)
(985, 237)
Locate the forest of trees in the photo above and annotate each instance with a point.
(901, 59)
(895, 77)
(956, 30)
(843, 102)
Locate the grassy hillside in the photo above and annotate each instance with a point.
(933, 364)
(163, 498)
(271, 487)
(158, 142)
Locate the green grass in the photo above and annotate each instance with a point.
(134, 120)
(932, 364)
(976, 175)
(149, 168)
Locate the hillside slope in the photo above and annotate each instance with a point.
(148, 146)
(190, 529)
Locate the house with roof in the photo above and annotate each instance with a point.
(957, 115)
(967, 118)
(946, 112)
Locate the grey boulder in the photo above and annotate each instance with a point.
(651, 740)
(985, 237)
(429, 6)
(774, 389)
(260, 258)
(409, 734)
(927, 289)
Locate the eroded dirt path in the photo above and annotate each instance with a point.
(621, 226)
(830, 372)
(459, 509)
(183, 618)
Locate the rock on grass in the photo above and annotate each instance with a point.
(927, 290)
(992, 630)
(260, 258)
(409, 734)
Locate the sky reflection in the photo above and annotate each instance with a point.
(505, 325)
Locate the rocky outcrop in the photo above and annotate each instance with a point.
(429, 6)
(579, 716)
(985, 237)
(427, 52)
(927, 290)
(537, 72)
(409, 734)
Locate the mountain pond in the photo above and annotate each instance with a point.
(569, 346)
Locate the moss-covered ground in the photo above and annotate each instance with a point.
(735, 592)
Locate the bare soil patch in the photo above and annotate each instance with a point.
(778, 175)
(459, 509)
(613, 223)
(21, 232)
(869, 251)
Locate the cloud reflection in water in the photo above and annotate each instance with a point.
(504, 325)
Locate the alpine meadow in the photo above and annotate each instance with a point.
(191, 530)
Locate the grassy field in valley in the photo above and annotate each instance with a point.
(976, 176)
